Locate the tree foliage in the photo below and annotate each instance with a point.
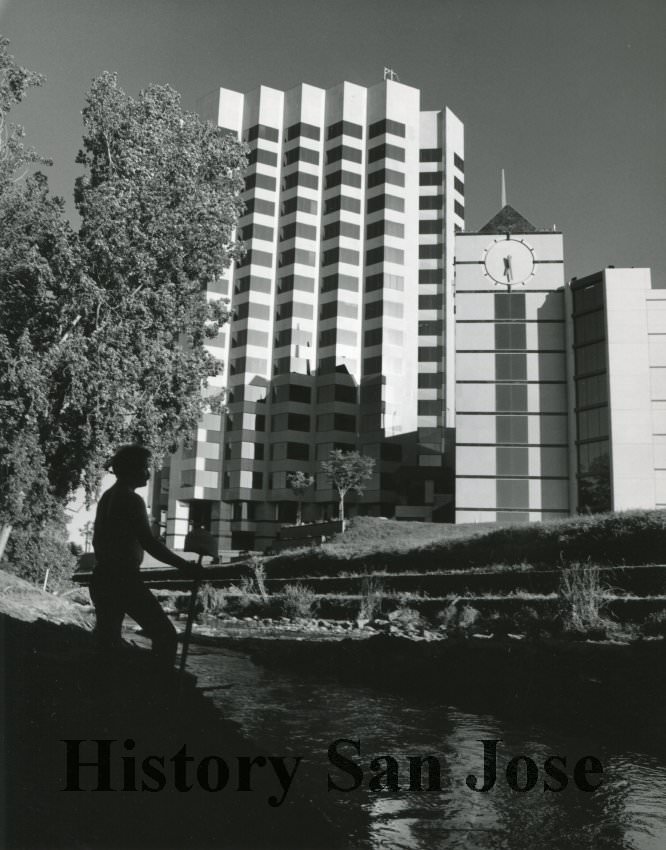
(347, 471)
(103, 332)
(299, 482)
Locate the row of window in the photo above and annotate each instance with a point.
(310, 131)
(342, 202)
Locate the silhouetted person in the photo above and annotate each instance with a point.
(122, 533)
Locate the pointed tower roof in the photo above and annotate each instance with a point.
(508, 220)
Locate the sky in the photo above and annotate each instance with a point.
(568, 96)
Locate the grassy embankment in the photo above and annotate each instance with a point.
(592, 575)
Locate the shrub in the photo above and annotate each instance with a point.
(583, 598)
(655, 624)
(372, 597)
(212, 600)
(298, 600)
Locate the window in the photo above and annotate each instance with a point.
(430, 178)
(257, 258)
(300, 178)
(340, 255)
(384, 254)
(431, 202)
(389, 202)
(591, 358)
(298, 422)
(509, 305)
(430, 328)
(386, 125)
(257, 480)
(298, 229)
(384, 281)
(343, 152)
(513, 493)
(298, 451)
(299, 154)
(510, 336)
(260, 181)
(459, 162)
(298, 204)
(511, 398)
(263, 156)
(296, 281)
(512, 460)
(259, 205)
(386, 151)
(459, 209)
(430, 252)
(307, 131)
(511, 367)
(260, 422)
(431, 354)
(428, 407)
(253, 283)
(345, 128)
(327, 337)
(252, 310)
(385, 226)
(299, 393)
(386, 175)
(261, 131)
(345, 178)
(373, 337)
(342, 202)
(430, 154)
(297, 255)
(459, 186)
(344, 422)
(431, 225)
(372, 366)
(339, 281)
(342, 228)
(430, 380)
(430, 302)
(259, 451)
(511, 429)
(257, 231)
(346, 393)
(430, 275)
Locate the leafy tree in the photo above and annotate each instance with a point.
(299, 482)
(103, 332)
(347, 471)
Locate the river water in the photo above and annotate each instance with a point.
(290, 714)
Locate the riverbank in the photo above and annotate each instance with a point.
(64, 708)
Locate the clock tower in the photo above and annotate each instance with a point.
(512, 431)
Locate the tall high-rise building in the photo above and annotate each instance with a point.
(340, 308)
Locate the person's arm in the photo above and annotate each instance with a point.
(145, 537)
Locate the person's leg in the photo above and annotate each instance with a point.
(109, 614)
(142, 606)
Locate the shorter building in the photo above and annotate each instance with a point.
(618, 391)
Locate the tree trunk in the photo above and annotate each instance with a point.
(299, 513)
(341, 512)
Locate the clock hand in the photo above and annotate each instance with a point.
(508, 272)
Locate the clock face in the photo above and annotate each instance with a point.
(509, 261)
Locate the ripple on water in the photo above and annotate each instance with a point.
(290, 715)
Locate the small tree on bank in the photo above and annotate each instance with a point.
(299, 482)
(347, 471)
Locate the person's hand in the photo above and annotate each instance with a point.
(192, 569)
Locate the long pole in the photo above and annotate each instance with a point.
(190, 617)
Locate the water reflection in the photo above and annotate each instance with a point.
(289, 715)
